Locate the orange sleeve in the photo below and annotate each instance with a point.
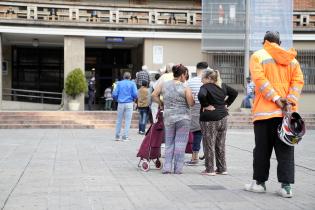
(296, 83)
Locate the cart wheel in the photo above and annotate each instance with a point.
(145, 166)
(158, 164)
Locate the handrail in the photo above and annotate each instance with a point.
(42, 95)
(33, 91)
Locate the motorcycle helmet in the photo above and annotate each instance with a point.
(292, 129)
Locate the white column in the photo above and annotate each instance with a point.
(74, 57)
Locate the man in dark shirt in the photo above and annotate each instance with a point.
(91, 87)
(143, 76)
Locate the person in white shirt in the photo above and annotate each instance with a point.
(195, 84)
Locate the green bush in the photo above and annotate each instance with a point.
(75, 83)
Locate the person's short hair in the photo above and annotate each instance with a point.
(178, 70)
(169, 67)
(127, 75)
(272, 36)
(144, 68)
(157, 76)
(144, 83)
(202, 65)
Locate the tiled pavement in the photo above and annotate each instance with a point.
(86, 169)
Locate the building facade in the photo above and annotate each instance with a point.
(42, 41)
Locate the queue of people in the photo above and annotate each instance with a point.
(200, 106)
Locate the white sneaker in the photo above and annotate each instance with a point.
(253, 187)
(285, 191)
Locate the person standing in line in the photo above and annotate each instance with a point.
(108, 98)
(91, 92)
(114, 85)
(142, 75)
(278, 83)
(214, 97)
(249, 93)
(177, 98)
(125, 94)
(167, 76)
(144, 99)
(154, 107)
(195, 84)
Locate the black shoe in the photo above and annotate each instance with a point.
(202, 157)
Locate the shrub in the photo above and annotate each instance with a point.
(75, 83)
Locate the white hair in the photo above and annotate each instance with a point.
(144, 68)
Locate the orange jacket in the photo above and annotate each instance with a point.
(276, 73)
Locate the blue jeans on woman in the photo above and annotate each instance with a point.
(124, 109)
(143, 118)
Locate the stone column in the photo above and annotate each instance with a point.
(74, 57)
(1, 83)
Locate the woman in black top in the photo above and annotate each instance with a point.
(214, 97)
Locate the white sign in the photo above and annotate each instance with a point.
(157, 54)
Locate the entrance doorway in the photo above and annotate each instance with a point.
(109, 64)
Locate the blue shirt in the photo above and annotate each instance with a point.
(125, 91)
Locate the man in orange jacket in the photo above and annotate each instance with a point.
(278, 83)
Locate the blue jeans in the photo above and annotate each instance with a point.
(247, 100)
(197, 141)
(124, 109)
(143, 118)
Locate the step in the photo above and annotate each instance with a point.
(103, 119)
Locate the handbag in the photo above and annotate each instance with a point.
(190, 143)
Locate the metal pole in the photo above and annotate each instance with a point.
(247, 31)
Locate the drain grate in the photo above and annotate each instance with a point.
(207, 187)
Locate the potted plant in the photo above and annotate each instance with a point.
(75, 85)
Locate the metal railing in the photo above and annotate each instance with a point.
(98, 15)
(59, 14)
(306, 59)
(231, 65)
(33, 96)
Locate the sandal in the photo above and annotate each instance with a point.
(208, 173)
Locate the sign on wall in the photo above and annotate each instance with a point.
(157, 54)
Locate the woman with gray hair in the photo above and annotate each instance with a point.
(214, 97)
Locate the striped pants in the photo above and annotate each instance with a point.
(214, 134)
(176, 138)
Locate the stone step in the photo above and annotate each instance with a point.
(103, 119)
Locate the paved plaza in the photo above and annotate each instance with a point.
(88, 170)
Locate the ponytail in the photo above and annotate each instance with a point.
(218, 78)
